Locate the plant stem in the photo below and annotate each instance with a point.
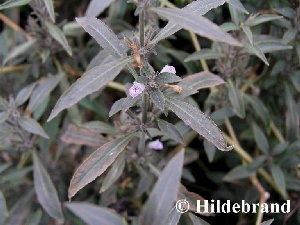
(142, 28)
(144, 121)
(198, 48)
(276, 132)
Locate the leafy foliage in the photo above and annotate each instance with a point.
(126, 100)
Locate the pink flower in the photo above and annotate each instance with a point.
(168, 69)
(157, 145)
(136, 89)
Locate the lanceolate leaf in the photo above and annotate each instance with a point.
(262, 19)
(199, 7)
(196, 23)
(170, 130)
(239, 172)
(45, 190)
(42, 91)
(96, 7)
(18, 50)
(260, 139)
(97, 163)
(103, 35)
(204, 54)
(164, 193)
(260, 109)
(59, 36)
(24, 94)
(158, 98)
(236, 99)
(90, 82)
(199, 122)
(3, 208)
(93, 214)
(114, 172)
(254, 49)
(50, 9)
(237, 4)
(32, 126)
(278, 177)
(13, 3)
(201, 80)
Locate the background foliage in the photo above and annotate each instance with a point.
(242, 71)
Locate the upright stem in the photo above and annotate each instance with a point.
(142, 27)
(144, 121)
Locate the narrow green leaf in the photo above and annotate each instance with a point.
(114, 172)
(32, 126)
(199, 7)
(20, 209)
(116, 107)
(199, 122)
(238, 172)
(260, 139)
(167, 78)
(50, 9)
(278, 177)
(172, 217)
(237, 15)
(163, 195)
(45, 190)
(18, 50)
(100, 127)
(197, 220)
(289, 35)
(35, 218)
(24, 94)
(209, 149)
(204, 54)
(42, 91)
(268, 222)
(158, 98)
(229, 26)
(254, 49)
(298, 50)
(287, 12)
(170, 130)
(192, 83)
(103, 35)
(82, 136)
(3, 116)
(90, 82)
(16, 174)
(13, 3)
(259, 108)
(59, 36)
(236, 99)
(272, 46)
(295, 78)
(196, 23)
(248, 33)
(96, 7)
(292, 117)
(102, 57)
(97, 163)
(262, 19)
(94, 214)
(237, 4)
(4, 166)
(3, 208)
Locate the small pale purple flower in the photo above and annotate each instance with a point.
(156, 145)
(168, 69)
(136, 89)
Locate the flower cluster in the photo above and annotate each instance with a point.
(168, 69)
(156, 145)
(136, 89)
